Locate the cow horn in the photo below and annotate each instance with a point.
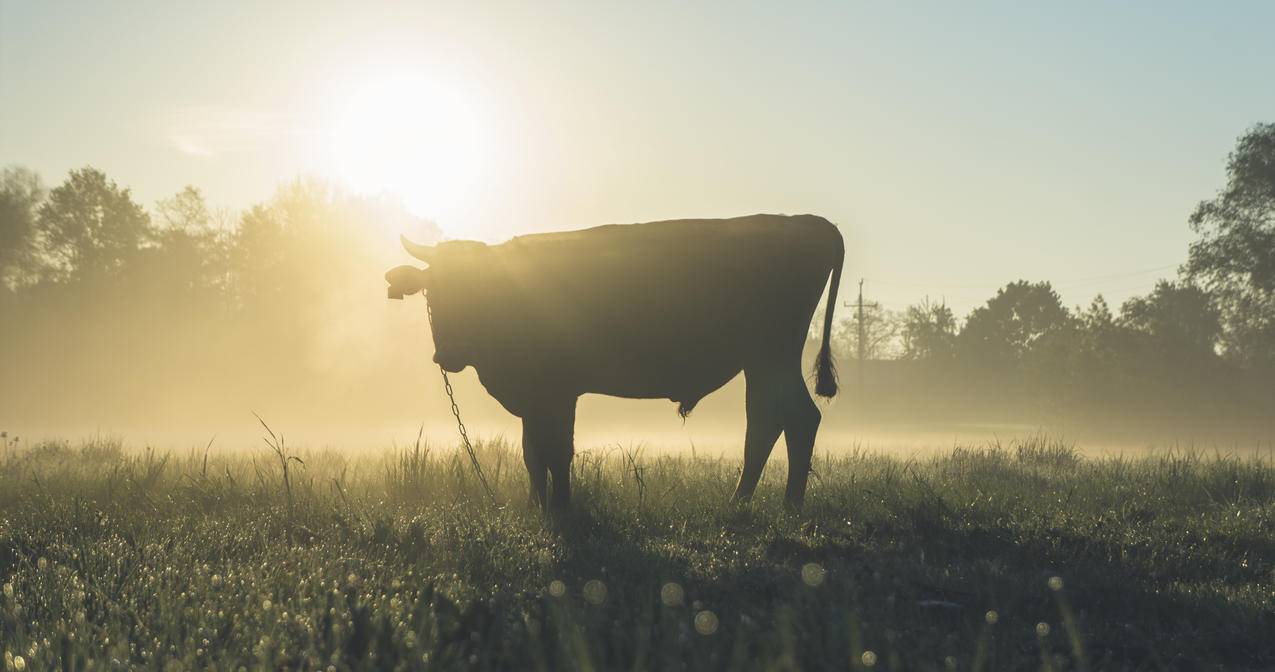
(423, 252)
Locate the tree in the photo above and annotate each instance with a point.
(1235, 256)
(928, 331)
(258, 251)
(91, 227)
(185, 211)
(1178, 319)
(1103, 342)
(20, 194)
(1101, 355)
(880, 333)
(191, 252)
(1012, 322)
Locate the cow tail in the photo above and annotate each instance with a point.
(825, 370)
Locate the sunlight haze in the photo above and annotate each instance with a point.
(1060, 144)
(573, 335)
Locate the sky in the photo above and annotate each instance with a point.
(959, 146)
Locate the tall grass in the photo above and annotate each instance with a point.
(1023, 555)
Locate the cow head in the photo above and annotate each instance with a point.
(453, 285)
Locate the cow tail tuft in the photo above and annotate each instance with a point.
(825, 370)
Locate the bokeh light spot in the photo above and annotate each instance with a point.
(595, 592)
(706, 622)
(813, 574)
(672, 595)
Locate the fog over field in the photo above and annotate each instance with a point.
(563, 335)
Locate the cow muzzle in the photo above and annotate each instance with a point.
(404, 280)
(450, 364)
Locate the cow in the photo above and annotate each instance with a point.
(659, 310)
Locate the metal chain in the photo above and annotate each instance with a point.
(460, 425)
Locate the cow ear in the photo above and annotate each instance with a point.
(423, 252)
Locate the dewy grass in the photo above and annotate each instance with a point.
(1001, 557)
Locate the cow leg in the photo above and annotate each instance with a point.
(537, 470)
(549, 444)
(762, 406)
(801, 423)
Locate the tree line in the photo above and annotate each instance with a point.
(107, 305)
(1195, 346)
(100, 292)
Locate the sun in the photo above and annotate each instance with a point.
(413, 137)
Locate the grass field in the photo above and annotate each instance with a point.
(1022, 557)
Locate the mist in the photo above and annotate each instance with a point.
(173, 324)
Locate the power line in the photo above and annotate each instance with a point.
(1073, 283)
(1114, 276)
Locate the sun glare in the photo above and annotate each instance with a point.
(412, 137)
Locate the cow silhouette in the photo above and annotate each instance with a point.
(659, 310)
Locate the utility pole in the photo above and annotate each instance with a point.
(862, 332)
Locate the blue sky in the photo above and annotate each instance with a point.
(959, 145)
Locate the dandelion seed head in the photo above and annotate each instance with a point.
(557, 588)
(1042, 629)
(991, 617)
(1055, 583)
(869, 658)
